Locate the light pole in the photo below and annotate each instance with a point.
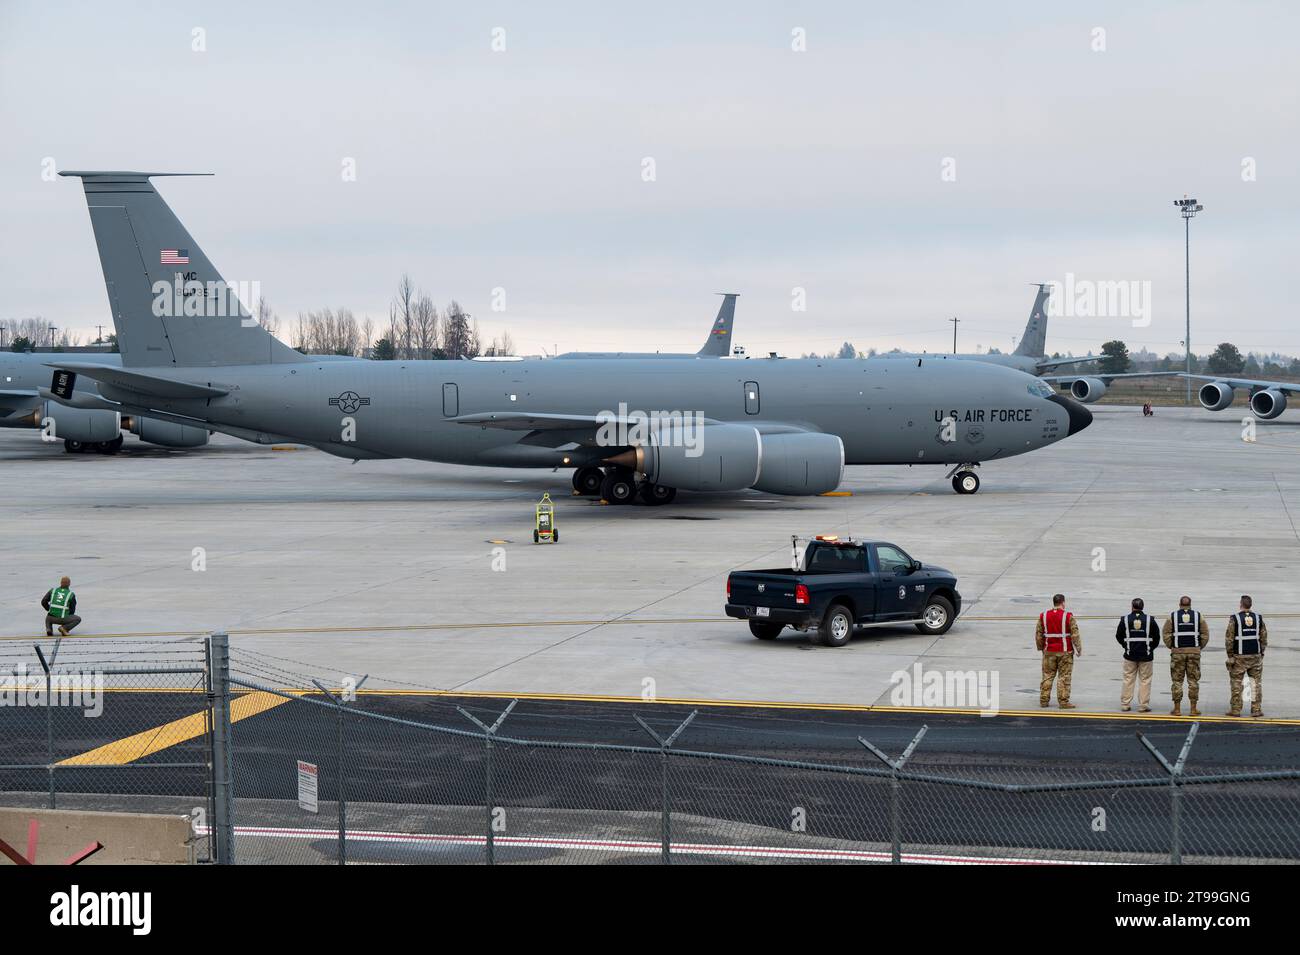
(954, 321)
(1188, 208)
(53, 329)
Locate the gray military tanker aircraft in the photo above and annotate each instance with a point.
(630, 428)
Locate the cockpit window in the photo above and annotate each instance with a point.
(1039, 389)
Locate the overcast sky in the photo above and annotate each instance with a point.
(775, 169)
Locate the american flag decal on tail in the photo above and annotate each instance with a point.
(175, 256)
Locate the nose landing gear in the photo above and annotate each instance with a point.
(964, 479)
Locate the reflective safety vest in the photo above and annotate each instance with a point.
(1187, 628)
(1137, 635)
(1248, 633)
(59, 599)
(1056, 631)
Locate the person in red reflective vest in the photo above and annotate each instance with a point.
(1057, 638)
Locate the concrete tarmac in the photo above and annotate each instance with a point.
(425, 575)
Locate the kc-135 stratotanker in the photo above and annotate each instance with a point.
(780, 426)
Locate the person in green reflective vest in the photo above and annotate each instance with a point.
(60, 605)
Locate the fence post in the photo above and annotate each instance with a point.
(489, 844)
(223, 797)
(896, 790)
(48, 666)
(340, 755)
(1175, 791)
(665, 821)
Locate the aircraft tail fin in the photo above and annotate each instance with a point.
(170, 305)
(718, 344)
(1034, 341)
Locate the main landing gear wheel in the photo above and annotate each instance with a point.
(936, 618)
(110, 447)
(618, 487)
(73, 447)
(655, 493)
(965, 482)
(587, 481)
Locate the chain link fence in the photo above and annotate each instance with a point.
(108, 725)
(279, 768)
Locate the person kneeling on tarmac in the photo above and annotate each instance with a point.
(60, 605)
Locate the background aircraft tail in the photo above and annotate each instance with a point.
(169, 303)
(718, 344)
(1034, 341)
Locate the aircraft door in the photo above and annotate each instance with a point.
(450, 400)
(751, 397)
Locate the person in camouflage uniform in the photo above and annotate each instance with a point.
(1057, 638)
(1186, 634)
(1247, 638)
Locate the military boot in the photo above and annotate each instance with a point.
(1178, 708)
(1195, 711)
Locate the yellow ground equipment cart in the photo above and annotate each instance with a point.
(544, 529)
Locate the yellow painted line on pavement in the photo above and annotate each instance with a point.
(128, 750)
(526, 625)
(1051, 712)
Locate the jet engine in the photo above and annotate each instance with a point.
(1215, 395)
(805, 463)
(1087, 390)
(1268, 403)
(167, 434)
(83, 425)
(719, 457)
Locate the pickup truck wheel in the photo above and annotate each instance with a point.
(837, 626)
(936, 618)
(765, 631)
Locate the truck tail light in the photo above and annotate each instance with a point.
(800, 594)
(728, 586)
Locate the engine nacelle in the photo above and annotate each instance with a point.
(801, 464)
(1087, 390)
(167, 434)
(723, 457)
(1215, 395)
(87, 425)
(1268, 403)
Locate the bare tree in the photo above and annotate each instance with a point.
(266, 317)
(459, 339)
(424, 322)
(403, 313)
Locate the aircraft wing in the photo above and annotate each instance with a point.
(1047, 363)
(17, 400)
(1061, 379)
(142, 383)
(1252, 383)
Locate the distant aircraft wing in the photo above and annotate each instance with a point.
(1058, 362)
(141, 383)
(1253, 383)
(1063, 379)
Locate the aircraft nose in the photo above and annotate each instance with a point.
(1080, 416)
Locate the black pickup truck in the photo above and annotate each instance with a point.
(844, 584)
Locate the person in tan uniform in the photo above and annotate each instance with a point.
(1057, 638)
(1186, 634)
(1247, 639)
